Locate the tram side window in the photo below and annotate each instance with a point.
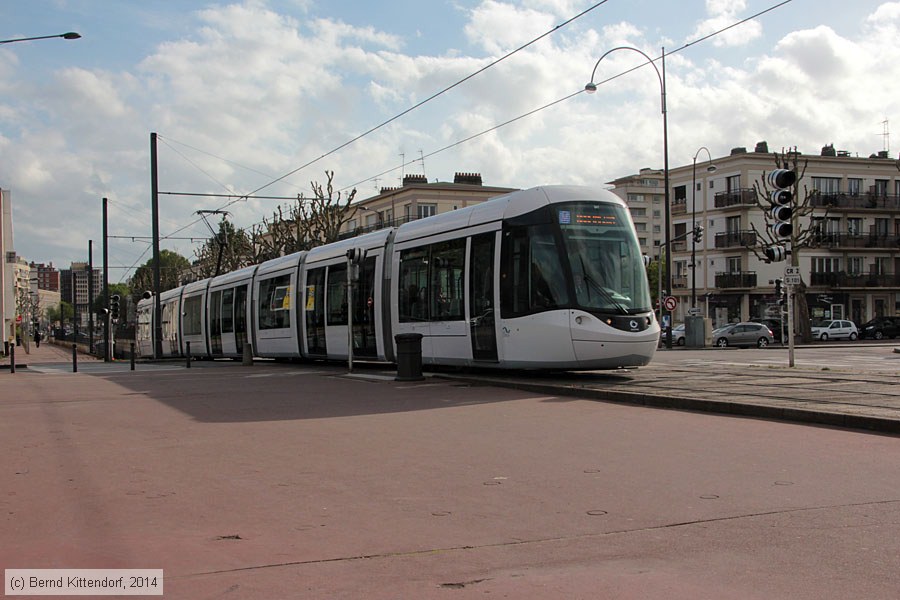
(192, 317)
(446, 290)
(337, 295)
(275, 302)
(228, 310)
(413, 285)
(532, 277)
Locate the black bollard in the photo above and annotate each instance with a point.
(74, 358)
(187, 353)
(12, 359)
(132, 356)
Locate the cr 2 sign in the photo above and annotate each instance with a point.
(670, 302)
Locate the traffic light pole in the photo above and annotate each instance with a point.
(790, 332)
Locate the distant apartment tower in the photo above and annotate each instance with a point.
(47, 276)
(644, 194)
(74, 289)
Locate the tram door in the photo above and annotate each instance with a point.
(481, 298)
(240, 318)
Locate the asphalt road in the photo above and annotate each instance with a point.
(287, 481)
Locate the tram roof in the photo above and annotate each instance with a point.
(503, 207)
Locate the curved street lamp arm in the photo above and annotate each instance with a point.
(592, 87)
(71, 35)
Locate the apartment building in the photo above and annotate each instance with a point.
(645, 195)
(852, 269)
(74, 289)
(418, 199)
(47, 276)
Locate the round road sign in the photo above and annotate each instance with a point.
(670, 302)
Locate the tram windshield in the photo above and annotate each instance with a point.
(604, 257)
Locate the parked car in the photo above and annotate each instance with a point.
(743, 334)
(774, 325)
(881, 327)
(677, 336)
(835, 330)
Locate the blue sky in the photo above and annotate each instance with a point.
(271, 85)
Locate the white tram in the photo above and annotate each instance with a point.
(546, 278)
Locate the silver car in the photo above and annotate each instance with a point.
(743, 334)
(835, 330)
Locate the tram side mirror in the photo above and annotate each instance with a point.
(147, 295)
(646, 261)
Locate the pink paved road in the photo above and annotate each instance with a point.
(295, 482)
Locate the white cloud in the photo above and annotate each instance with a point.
(723, 13)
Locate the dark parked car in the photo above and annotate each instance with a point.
(881, 327)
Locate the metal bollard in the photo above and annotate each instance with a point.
(74, 358)
(132, 356)
(187, 353)
(247, 357)
(12, 359)
(409, 357)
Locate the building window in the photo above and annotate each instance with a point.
(854, 186)
(656, 214)
(855, 265)
(827, 185)
(734, 264)
(640, 226)
(826, 264)
(733, 224)
(427, 210)
(657, 229)
(732, 183)
(881, 187)
(680, 193)
(854, 226)
(638, 212)
(650, 182)
(657, 199)
(635, 198)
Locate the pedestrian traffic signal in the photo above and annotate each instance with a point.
(779, 291)
(114, 307)
(698, 234)
(782, 200)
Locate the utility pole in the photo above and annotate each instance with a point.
(90, 296)
(106, 336)
(154, 205)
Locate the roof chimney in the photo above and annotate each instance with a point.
(762, 147)
(739, 150)
(412, 179)
(468, 178)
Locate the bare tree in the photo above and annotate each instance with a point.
(229, 250)
(307, 223)
(804, 232)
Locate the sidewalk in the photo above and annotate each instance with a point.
(49, 352)
(825, 397)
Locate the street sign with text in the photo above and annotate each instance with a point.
(792, 271)
(792, 279)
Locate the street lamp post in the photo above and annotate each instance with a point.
(66, 36)
(591, 88)
(710, 168)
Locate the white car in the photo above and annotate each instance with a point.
(835, 330)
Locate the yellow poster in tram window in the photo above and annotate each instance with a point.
(310, 297)
(286, 302)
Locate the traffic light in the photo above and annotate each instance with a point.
(779, 291)
(775, 253)
(698, 234)
(114, 307)
(782, 200)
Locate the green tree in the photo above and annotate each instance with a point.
(172, 267)
(61, 312)
(121, 289)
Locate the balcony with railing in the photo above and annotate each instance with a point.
(866, 201)
(738, 198)
(680, 281)
(841, 279)
(736, 239)
(854, 240)
(743, 279)
(679, 206)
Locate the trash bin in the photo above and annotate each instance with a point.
(409, 356)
